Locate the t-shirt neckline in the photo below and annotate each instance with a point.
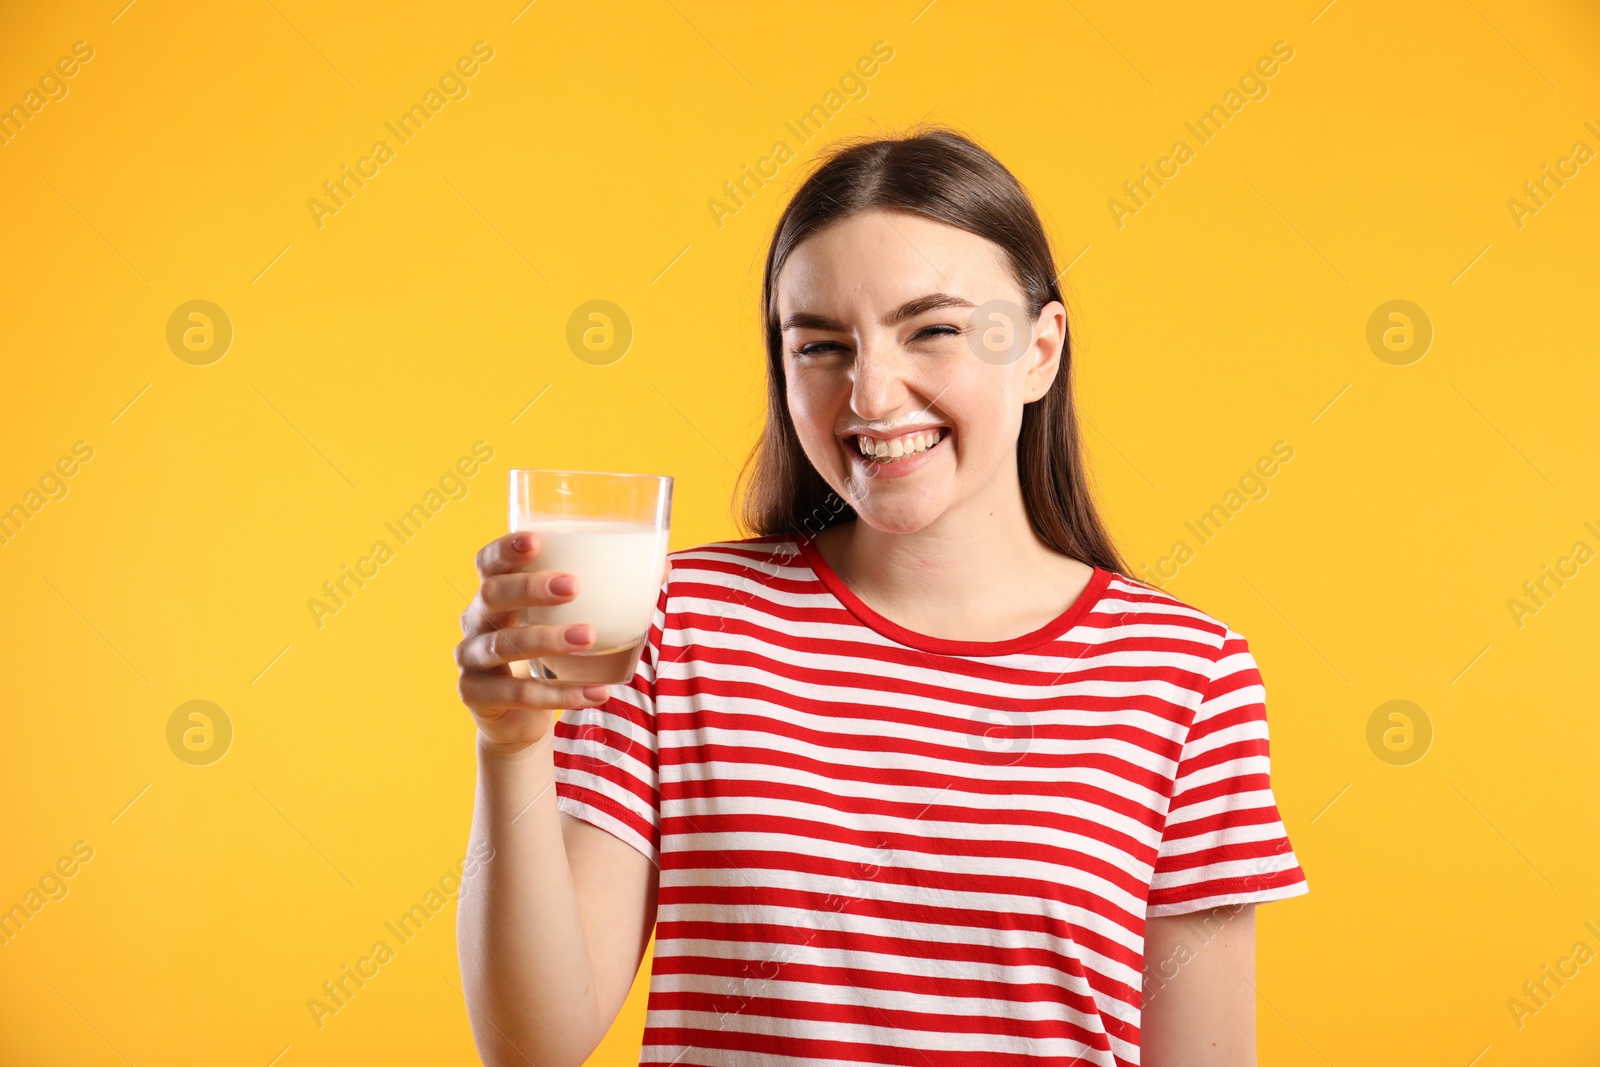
(943, 645)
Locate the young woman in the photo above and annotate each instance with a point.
(917, 774)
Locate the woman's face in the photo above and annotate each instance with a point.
(908, 337)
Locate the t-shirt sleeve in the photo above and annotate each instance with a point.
(1224, 842)
(606, 755)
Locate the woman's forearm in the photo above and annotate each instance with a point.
(525, 963)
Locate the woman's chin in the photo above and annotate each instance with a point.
(903, 518)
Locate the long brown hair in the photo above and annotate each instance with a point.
(942, 175)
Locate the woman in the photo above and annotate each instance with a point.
(916, 774)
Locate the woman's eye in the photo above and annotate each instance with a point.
(927, 333)
(816, 348)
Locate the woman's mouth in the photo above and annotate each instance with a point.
(891, 456)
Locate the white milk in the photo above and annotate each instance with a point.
(619, 568)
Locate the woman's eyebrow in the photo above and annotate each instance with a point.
(806, 320)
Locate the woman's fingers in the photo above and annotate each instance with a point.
(496, 648)
(501, 595)
(526, 589)
(486, 692)
(511, 708)
(507, 553)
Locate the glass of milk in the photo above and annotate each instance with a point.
(610, 530)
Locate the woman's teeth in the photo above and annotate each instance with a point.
(893, 448)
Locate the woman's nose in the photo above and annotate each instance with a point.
(878, 387)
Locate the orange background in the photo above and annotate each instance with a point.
(430, 312)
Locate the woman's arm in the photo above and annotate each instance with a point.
(1199, 989)
(551, 926)
(551, 930)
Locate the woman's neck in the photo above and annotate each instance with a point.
(977, 573)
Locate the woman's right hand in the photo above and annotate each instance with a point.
(512, 708)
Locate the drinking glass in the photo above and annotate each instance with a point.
(610, 530)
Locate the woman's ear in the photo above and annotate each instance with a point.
(1044, 357)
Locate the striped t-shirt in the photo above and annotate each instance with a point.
(881, 847)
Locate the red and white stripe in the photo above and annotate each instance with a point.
(880, 847)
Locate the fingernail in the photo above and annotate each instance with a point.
(563, 585)
(522, 542)
(596, 692)
(580, 634)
